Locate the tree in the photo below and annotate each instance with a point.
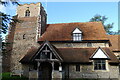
(4, 22)
(115, 33)
(107, 27)
(4, 18)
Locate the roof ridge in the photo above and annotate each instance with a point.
(75, 22)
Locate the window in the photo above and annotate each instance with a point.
(89, 44)
(23, 36)
(99, 65)
(27, 13)
(77, 67)
(77, 35)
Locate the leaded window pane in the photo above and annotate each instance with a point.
(99, 65)
(77, 67)
(77, 37)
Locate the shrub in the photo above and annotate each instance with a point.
(6, 76)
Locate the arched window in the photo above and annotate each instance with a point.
(27, 13)
(77, 35)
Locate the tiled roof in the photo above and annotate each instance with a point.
(115, 42)
(82, 54)
(63, 31)
(31, 52)
(72, 55)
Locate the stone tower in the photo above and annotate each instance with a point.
(24, 34)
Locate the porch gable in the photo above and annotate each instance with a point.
(47, 52)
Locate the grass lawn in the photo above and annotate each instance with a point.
(6, 76)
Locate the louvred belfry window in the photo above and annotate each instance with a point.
(27, 13)
(77, 35)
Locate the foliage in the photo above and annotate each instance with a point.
(5, 3)
(6, 76)
(115, 33)
(107, 27)
(4, 18)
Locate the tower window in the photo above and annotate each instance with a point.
(27, 13)
(77, 35)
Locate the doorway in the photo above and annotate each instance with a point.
(45, 71)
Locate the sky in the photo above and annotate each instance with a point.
(65, 12)
(77, 11)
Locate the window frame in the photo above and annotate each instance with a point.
(77, 67)
(89, 44)
(100, 65)
(77, 36)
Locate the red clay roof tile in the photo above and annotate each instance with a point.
(72, 55)
(115, 42)
(63, 31)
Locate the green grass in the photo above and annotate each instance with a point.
(6, 76)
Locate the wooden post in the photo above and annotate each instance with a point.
(38, 66)
(52, 66)
(50, 55)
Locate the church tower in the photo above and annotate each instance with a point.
(24, 34)
(32, 11)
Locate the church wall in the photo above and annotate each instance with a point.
(26, 32)
(24, 39)
(34, 9)
(86, 71)
(79, 45)
(56, 75)
(117, 54)
(25, 69)
(33, 75)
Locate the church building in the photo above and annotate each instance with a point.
(60, 51)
